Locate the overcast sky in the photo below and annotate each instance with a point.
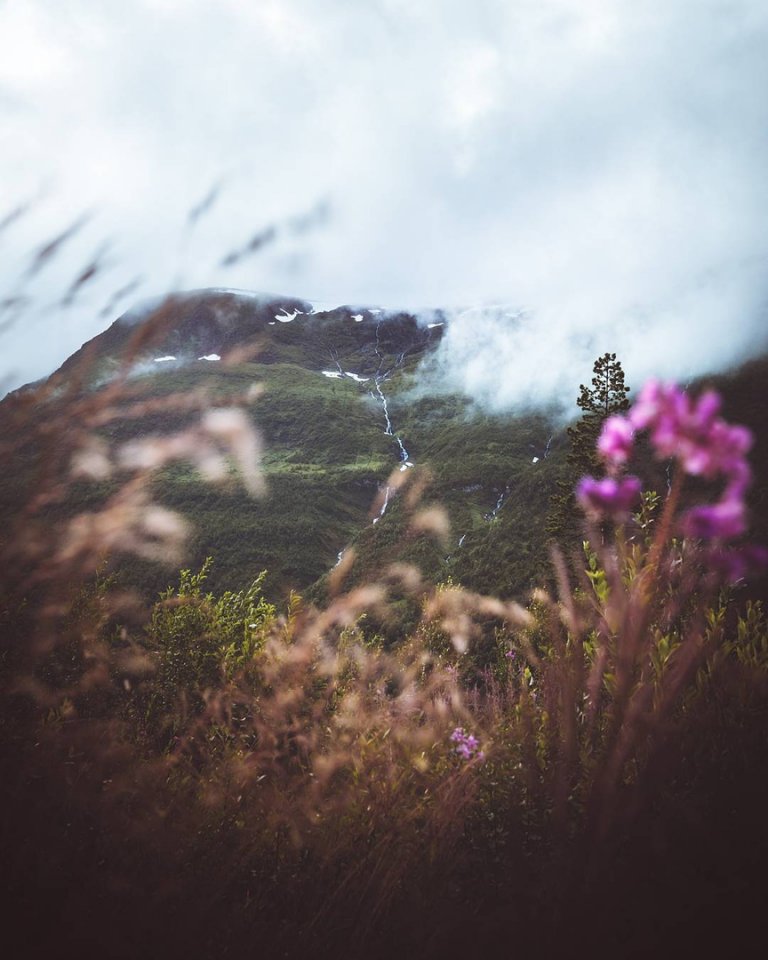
(599, 164)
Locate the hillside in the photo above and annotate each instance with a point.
(343, 404)
(221, 767)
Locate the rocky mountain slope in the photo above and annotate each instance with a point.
(344, 403)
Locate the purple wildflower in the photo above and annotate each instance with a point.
(467, 745)
(690, 432)
(658, 407)
(645, 408)
(616, 440)
(721, 521)
(703, 444)
(648, 406)
(739, 479)
(610, 497)
(729, 445)
(735, 565)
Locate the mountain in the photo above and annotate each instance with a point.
(343, 404)
(345, 400)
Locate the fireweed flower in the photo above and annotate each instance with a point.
(611, 497)
(728, 445)
(690, 432)
(654, 399)
(616, 441)
(467, 745)
(735, 565)
(739, 480)
(721, 521)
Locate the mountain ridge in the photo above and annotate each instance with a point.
(342, 406)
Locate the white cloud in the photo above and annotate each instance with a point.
(598, 164)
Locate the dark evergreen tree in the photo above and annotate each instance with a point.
(606, 396)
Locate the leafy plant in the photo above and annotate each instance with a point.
(197, 639)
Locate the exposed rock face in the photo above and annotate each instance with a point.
(189, 326)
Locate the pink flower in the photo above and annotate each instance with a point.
(707, 407)
(691, 433)
(735, 565)
(467, 745)
(610, 497)
(739, 480)
(703, 444)
(729, 445)
(656, 400)
(616, 440)
(722, 521)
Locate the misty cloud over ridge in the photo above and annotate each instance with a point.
(507, 359)
(599, 166)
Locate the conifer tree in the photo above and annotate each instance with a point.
(606, 396)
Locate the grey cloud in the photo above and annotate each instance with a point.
(598, 166)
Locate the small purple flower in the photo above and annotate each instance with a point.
(721, 521)
(655, 401)
(510, 655)
(616, 440)
(645, 409)
(690, 432)
(707, 408)
(735, 565)
(729, 445)
(467, 745)
(611, 497)
(703, 444)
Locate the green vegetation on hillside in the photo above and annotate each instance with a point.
(326, 455)
(404, 759)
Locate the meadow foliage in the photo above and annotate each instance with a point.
(294, 776)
